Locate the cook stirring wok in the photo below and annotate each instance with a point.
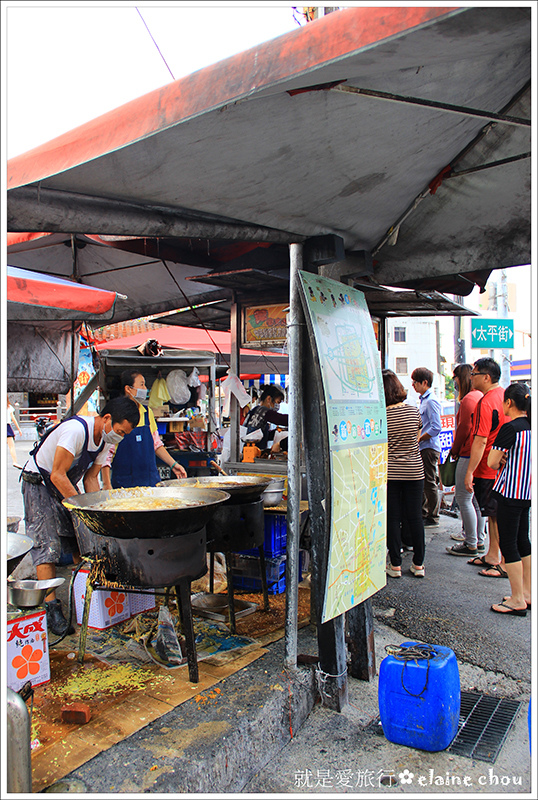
(134, 461)
(74, 449)
(266, 413)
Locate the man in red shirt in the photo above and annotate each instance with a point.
(487, 420)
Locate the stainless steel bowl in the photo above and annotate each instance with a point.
(30, 594)
(272, 496)
(17, 546)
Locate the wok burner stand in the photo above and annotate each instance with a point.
(183, 595)
(136, 564)
(231, 529)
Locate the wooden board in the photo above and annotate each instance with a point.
(65, 747)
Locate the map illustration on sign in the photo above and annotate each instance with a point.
(350, 370)
(348, 361)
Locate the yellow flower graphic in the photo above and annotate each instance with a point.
(27, 663)
(114, 603)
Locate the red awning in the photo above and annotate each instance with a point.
(196, 339)
(35, 296)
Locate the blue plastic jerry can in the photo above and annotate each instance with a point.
(419, 699)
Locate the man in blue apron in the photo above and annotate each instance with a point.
(73, 450)
(134, 462)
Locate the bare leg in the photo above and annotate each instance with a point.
(515, 575)
(527, 586)
(493, 556)
(527, 583)
(44, 573)
(12, 450)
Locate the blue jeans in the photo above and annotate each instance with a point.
(473, 522)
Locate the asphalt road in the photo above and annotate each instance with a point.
(451, 607)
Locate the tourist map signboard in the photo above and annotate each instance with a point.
(355, 406)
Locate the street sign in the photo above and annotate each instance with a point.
(490, 333)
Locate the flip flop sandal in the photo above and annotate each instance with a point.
(496, 568)
(480, 561)
(515, 612)
(528, 604)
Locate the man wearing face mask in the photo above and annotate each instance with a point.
(74, 449)
(264, 415)
(134, 463)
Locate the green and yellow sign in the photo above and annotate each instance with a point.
(355, 406)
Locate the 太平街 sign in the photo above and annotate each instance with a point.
(357, 425)
(491, 333)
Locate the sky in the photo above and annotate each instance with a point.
(69, 63)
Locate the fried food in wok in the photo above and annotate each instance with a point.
(143, 504)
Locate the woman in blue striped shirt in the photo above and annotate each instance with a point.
(511, 454)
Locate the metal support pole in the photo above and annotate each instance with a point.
(18, 758)
(235, 334)
(459, 336)
(213, 421)
(230, 591)
(183, 595)
(73, 376)
(295, 325)
(505, 360)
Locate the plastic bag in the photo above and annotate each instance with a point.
(159, 394)
(220, 583)
(165, 649)
(193, 379)
(178, 387)
(447, 472)
(232, 385)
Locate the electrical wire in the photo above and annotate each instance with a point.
(155, 43)
(193, 309)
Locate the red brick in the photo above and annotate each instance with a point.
(76, 713)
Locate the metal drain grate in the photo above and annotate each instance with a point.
(483, 726)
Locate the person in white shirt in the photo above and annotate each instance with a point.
(73, 450)
(11, 433)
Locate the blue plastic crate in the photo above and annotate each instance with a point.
(255, 585)
(275, 536)
(246, 573)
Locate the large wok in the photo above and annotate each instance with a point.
(17, 547)
(241, 488)
(151, 523)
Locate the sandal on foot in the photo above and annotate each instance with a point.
(480, 561)
(516, 612)
(528, 604)
(493, 571)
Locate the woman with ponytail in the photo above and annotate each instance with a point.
(473, 522)
(511, 455)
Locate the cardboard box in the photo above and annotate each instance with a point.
(107, 607)
(141, 602)
(175, 426)
(28, 649)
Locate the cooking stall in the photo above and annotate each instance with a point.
(145, 538)
(190, 435)
(237, 526)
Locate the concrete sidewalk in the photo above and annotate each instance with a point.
(268, 734)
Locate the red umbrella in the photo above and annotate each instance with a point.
(38, 296)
